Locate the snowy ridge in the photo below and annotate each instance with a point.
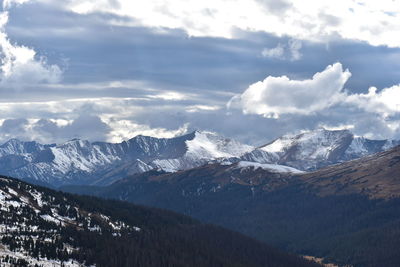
(211, 146)
(82, 162)
(311, 145)
(315, 149)
(203, 148)
(268, 167)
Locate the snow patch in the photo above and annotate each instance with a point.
(268, 167)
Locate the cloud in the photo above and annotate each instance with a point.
(124, 74)
(322, 101)
(8, 3)
(294, 48)
(126, 129)
(197, 108)
(275, 52)
(13, 127)
(290, 51)
(169, 96)
(385, 102)
(275, 96)
(316, 20)
(85, 126)
(276, 6)
(20, 65)
(47, 131)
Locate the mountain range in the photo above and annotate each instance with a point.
(100, 163)
(327, 194)
(347, 213)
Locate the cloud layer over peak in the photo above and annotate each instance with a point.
(323, 99)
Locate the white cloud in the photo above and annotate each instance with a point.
(126, 129)
(275, 96)
(290, 51)
(375, 22)
(171, 96)
(385, 102)
(275, 52)
(96, 119)
(198, 108)
(8, 3)
(280, 95)
(20, 65)
(294, 48)
(322, 101)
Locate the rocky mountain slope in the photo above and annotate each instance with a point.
(42, 227)
(100, 163)
(376, 176)
(82, 162)
(347, 213)
(315, 149)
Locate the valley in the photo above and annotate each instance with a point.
(43, 227)
(346, 213)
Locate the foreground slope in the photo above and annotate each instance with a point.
(48, 228)
(347, 213)
(376, 176)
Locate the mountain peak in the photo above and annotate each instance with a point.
(12, 141)
(76, 142)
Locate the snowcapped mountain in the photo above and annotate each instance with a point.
(195, 149)
(82, 162)
(354, 202)
(101, 163)
(316, 149)
(203, 148)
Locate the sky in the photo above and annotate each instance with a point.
(252, 70)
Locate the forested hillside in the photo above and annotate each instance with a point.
(42, 227)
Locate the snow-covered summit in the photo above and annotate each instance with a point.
(201, 148)
(82, 162)
(210, 145)
(318, 148)
(318, 144)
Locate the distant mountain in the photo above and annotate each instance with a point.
(42, 227)
(315, 149)
(100, 163)
(82, 162)
(195, 149)
(347, 213)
